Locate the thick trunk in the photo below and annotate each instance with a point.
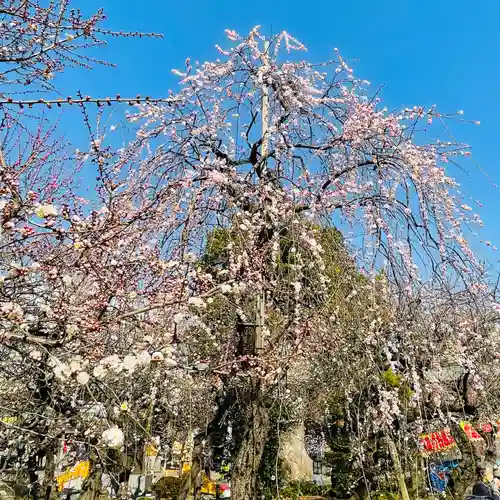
(49, 472)
(253, 433)
(33, 477)
(91, 488)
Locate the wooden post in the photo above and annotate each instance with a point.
(399, 471)
(265, 106)
(259, 323)
(261, 298)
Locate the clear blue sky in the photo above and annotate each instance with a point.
(444, 52)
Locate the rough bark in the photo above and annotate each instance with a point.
(91, 488)
(34, 485)
(253, 433)
(49, 472)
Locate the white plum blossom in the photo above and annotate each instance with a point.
(12, 311)
(99, 371)
(130, 362)
(75, 366)
(170, 362)
(61, 370)
(197, 302)
(179, 317)
(113, 437)
(67, 279)
(144, 358)
(125, 267)
(112, 362)
(83, 378)
(44, 211)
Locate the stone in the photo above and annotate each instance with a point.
(296, 461)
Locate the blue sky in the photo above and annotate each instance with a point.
(443, 52)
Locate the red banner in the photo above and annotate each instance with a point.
(436, 442)
(470, 432)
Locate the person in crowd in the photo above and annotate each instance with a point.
(480, 489)
(495, 485)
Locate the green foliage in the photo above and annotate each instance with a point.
(297, 489)
(396, 380)
(391, 378)
(270, 458)
(385, 495)
(350, 317)
(216, 248)
(167, 488)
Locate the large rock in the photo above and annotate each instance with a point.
(293, 453)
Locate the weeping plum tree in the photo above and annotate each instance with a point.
(267, 150)
(320, 370)
(324, 152)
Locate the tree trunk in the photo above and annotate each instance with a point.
(253, 436)
(34, 485)
(92, 485)
(49, 472)
(91, 488)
